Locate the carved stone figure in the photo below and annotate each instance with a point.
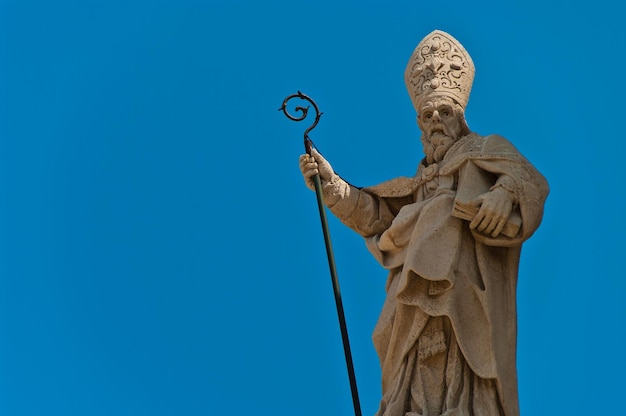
(450, 237)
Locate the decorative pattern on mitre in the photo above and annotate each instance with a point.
(439, 66)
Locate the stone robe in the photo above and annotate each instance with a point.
(446, 336)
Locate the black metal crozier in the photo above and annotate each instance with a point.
(308, 144)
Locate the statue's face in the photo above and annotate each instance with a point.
(438, 116)
(442, 125)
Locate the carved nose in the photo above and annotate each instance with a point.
(436, 116)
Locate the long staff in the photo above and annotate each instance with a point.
(329, 249)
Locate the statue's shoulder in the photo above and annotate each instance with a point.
(496, 144)
(394, 188)
(471, 141)
(474, 145)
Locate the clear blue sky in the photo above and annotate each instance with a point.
(160, 255)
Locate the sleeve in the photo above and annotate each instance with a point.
(507, 183)
(363, 212)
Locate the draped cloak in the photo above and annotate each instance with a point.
(438, 266)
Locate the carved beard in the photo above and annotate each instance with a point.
(436, 146)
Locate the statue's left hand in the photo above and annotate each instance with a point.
(495, 209)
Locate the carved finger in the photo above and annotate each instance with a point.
(493, 223)
(303, 163)
(309, 166)
(477, 220)
(496, 232)
(486, 217)
(483, 225)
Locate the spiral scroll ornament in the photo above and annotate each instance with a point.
(304, 111)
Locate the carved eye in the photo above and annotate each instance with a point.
(446, 113)
(428, 115)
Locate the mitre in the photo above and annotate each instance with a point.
(439, 67)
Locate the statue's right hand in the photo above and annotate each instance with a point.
(315, 164)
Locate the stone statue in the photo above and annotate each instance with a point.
(450, 237)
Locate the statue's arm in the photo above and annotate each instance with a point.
(519, 187)
(365, 213)
(495, 207)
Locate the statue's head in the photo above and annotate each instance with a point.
(439, 79)
(442, 123)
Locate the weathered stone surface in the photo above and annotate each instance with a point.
(450, 237)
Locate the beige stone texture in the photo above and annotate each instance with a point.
(450, 238)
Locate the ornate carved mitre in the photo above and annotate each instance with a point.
(439, 66)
